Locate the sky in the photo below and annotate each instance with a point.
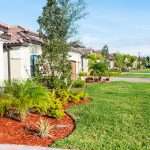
(124, 25)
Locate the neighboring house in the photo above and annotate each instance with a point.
(19, 50)
(79, 62)
(111, 61)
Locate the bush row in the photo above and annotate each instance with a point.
(20, 98)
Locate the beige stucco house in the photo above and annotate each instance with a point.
(19, 49)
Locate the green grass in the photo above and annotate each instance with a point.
(118, 118)
(135, 75)
(142, 71)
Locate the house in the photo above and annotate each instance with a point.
(19, 51)
(111, 61)
(79, 62)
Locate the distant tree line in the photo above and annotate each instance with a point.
(99, 61)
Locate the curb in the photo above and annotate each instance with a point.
(24, 147)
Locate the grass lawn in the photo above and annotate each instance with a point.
(118, 118)
(135, 75)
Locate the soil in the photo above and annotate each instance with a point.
(25, 132)
(82, 102)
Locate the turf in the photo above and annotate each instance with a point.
(118, 118)
(135, 75)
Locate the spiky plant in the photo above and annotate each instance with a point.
(44, 128)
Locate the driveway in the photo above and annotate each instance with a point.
(23, 147)
(134, 80)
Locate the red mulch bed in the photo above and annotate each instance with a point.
(82, 102)
(15, 132)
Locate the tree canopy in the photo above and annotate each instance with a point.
(105, 51)
(57, 24)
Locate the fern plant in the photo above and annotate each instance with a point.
(4, 106)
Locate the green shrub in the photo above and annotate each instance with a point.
(77, 96)
(50, 106)
(62, 95)
(23, 97)
(79, 83)
(55, 106)
(65, 96)
(98, 68)
(82, 74)
(5, 104)
(14, 88)
(32, 96)
(115, 73)
(28, 89)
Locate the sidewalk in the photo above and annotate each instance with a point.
(23, 147)
(133, 80)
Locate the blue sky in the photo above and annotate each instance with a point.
(122, 24)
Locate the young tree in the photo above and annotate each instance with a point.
(119, 61)
(98, 68)
(147, 62)
(57, 25)
(105, 51)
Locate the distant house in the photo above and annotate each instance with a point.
(79, 62)
(19, 50)
(111, 61)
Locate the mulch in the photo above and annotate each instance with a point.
(82, 102)
(23, 133)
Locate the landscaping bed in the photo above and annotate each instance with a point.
(31, 114)
(24, 133)
(97, 79)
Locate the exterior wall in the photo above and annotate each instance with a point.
(5, 66)
(1, 64)
(81, 63)
(85, 65)
(26, 53)
(20, 61)
(73, 56)
(111, 64)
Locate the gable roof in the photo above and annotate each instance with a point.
(17, 35)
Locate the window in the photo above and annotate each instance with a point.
(34, 61)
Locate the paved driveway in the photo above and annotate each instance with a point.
(23, 147)
(134, 80)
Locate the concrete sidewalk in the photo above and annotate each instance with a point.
(133, 80)
(24, 147)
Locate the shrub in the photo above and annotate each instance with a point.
(29, 89)
(82, 95)
(44, 128)
(77, 96)
(23, 97)
(55, 107)
(82, 74)
(62, 95)
(98, 68)
(13, 89)
(5, 104)
(79, 83)
(21, 107)
(114, 74)
(32, 96)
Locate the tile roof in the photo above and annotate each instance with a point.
(12, 35)
(82, 51)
